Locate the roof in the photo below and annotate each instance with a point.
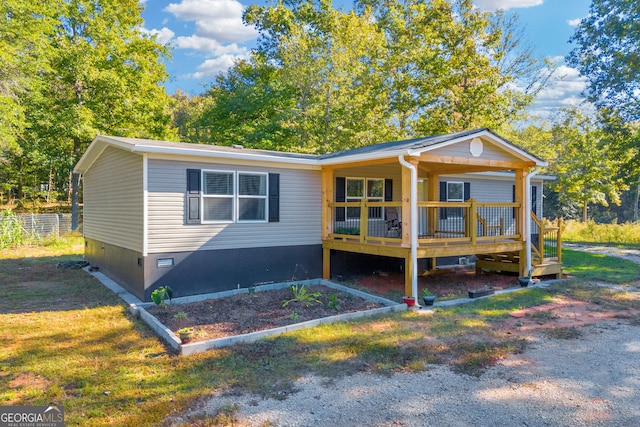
(412, 147)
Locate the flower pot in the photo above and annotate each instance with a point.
(429, 300)
(525, 281)
(482, 292)
(410, 301)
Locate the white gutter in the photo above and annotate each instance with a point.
(527, 204)
(414, 226)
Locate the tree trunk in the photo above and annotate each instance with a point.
(635, 208)
(584, 212)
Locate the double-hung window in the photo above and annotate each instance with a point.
(359, 188)
(252, 196)
(229, 196)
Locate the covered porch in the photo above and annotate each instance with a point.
(416, 203)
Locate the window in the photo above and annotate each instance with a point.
(252, 196)
(455, 193)
(231, 196)
(355, 191)
(217, 196)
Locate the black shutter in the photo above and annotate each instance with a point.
(388, 190)
(193, 196)
(534, 199)
(274, 197)
(443, 198)
(467, 191)
(341, 188)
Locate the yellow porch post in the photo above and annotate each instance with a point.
(406, 225)
(327, 218)
(521, 218)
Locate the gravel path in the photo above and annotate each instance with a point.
(590, 381)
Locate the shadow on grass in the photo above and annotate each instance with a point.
(36, 285)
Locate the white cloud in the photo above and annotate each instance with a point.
(212, 67)
(210, 46)
(506, 4)
(564, 89)
(163, 36)
(574, 22)
(220, 20)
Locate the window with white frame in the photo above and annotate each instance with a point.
(229, 196)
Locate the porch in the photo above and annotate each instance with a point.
(491, 231)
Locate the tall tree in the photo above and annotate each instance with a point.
(102, 76)
(323, 79)
(583, 159)
(608, 55)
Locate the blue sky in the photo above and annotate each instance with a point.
(205, 36)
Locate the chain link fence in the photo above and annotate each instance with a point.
(44, 224)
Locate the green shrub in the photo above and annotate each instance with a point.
(590, 232)
(12, 232)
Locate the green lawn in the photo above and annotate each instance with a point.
(69, 341)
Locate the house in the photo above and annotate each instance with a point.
(203, 218)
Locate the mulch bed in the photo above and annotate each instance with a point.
(244, 313)
(446, 282)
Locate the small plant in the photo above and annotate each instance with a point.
(180, 315)
(185, 334)
(294, 316)
(332, 301)
(252, 290)
(160, 294)
(425, 292)
(301, 294)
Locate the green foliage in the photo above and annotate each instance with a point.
(332, 301)
(12, 232)
(181, 315)
(425, 292)
(159, 295)
(301, 294)
(584, 158)
(606, 234)
(322, 79)
(607, 42)
(84, 68)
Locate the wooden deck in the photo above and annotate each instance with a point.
(487, 230)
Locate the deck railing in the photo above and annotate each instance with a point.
(546, 244)
(470, 221)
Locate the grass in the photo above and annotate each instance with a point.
(622, 235)
(69, 341)
(596, 267)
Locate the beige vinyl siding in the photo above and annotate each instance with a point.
(113, 199)
(462, 149)
(300, 211)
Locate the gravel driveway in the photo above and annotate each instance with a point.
(593, 380)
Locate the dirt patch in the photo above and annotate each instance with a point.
(448, 283)
(245, 313)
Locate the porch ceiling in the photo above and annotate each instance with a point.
(441, 164)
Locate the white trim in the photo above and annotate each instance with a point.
(235, 197)
(204, 152)
(231, 196)
(145, 206)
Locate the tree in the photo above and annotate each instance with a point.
(583, 159)
(323, 79)
(607, 52)
(102, 76)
